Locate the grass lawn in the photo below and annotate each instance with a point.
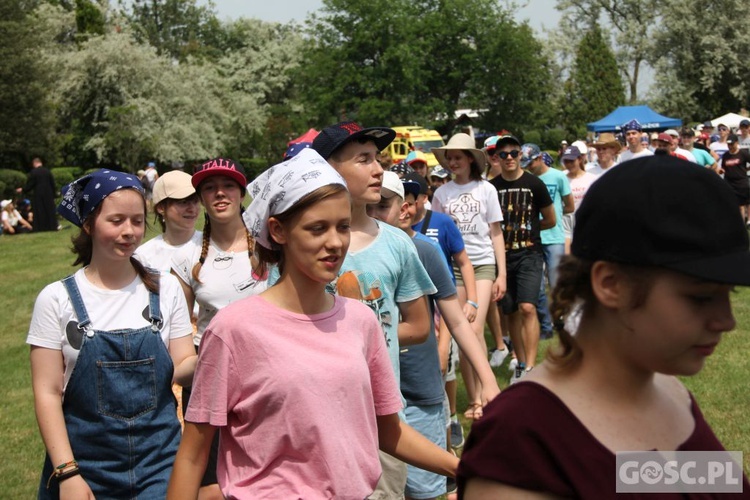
(29, 262)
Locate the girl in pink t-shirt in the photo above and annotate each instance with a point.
(299, 381)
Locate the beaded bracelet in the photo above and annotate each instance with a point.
(473, 304)
(64, 471)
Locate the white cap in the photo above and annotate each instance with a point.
(584, 150)
(392, 184)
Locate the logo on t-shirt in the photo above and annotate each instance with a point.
(464, 209)
(365, 287)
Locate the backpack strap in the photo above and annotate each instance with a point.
(426, 222)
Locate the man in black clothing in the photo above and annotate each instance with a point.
(736, 163)
(523, 197)
(42, 186)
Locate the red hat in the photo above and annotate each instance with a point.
(220, 166)
(664, 137)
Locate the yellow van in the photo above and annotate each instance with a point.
(414, 138)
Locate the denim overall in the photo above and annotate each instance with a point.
(119, 409)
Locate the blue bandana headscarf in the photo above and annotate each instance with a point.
(82, 196)
(547, 159)
(632, 125)
(401, 168)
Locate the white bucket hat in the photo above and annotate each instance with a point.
(463, 142)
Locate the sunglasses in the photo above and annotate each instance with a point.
(505, 154)
(723, 129)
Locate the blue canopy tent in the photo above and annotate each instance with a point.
(647, 117)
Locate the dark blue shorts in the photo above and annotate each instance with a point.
(524, 277)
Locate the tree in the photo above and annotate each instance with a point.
(702, 68)
(257, 74)
(26, 114)
(514, 85)
(406, 61)
(176, 28)
(630, 24)
(131, 105)
(594, 87)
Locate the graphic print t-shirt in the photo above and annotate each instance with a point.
(521, 200)
(474, 207)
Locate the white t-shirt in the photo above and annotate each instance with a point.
(13, 217)
(224, 278)
(473, 206)
(580, 185)
(719, 148)
(629, 155)
(597, 170)
(54, 324)
(157, 253)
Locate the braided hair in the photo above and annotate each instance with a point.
(207, 240)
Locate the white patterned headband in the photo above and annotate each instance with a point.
(281, 186)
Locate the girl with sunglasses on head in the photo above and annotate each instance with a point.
(298, 380)
(106, 345)
(645, 297)
(224, 268)
(473, 204)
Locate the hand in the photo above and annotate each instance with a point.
(75, 488)
(498, 288)
(19, 190)
(470, 312)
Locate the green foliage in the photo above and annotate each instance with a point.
(514, 82)
(553, 137)
(702, 69)
(264, 111)
(177, 29)
(399, 61)
(532, 136)
(11, 179)
(89, 18)
(594, 87)
(65, 175)
(26, 123)
(256, 166)
(628, 24)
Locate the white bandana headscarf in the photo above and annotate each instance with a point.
(281, 186)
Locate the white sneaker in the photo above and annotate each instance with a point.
(513, 363)
(518, 372)
(497, 357)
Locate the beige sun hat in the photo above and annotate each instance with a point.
(464, 142)
(607, 140)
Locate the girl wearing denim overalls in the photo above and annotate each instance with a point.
(106, 345)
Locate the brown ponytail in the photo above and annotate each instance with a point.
(150, 277)
(573, 283)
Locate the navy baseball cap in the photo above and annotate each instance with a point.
(680, 217)
(333, 137)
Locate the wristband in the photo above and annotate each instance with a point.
(473, 304)
(64, 471)
(67, 475)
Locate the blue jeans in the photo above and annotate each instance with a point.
(552, 255)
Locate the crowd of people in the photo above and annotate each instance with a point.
(331, 313)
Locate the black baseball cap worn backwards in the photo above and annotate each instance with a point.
(332, 138)
(664, 212)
